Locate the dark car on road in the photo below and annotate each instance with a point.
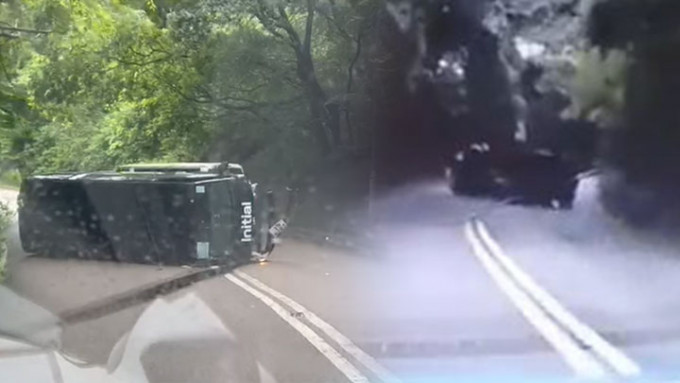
(531, 177)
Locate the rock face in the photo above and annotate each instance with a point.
(450, 72)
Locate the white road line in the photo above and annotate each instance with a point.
(621, 363)
(342, 364)
(345, 343)
(584, 364)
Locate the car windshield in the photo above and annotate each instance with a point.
(339, 190)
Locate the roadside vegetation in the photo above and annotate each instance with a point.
(90, 84)
(598, 87)
(10, 179)
(5, 222)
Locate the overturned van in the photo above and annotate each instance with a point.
(188, 213)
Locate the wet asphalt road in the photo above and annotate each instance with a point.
(422, 306)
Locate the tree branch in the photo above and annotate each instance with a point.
(143, 63)
(333, 21)
(210, 100)
(5, 71)
(350, 80)
(294, 82)
(352, 64)
(227, 103)
(309, 25)
(240, 108)
(23, 30)
(261, 17)
(284, 22)
(8, 35)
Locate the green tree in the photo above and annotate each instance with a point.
(14, 111)
(92, 84)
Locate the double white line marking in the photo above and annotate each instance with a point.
(584, 350)
(274, 300)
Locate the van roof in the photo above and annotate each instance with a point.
(133, 177)
(164, 172)
(172, 166)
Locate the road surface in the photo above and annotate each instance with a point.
(453, 289)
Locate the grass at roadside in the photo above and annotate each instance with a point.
(5, 221)
(10, 179)
(8, 186)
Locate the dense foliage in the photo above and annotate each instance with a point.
(88, 84)
(598, 89)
